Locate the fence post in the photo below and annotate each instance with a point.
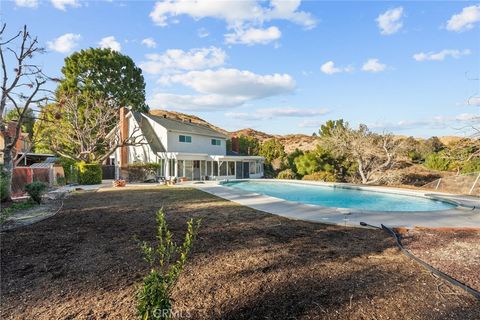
(474, 184)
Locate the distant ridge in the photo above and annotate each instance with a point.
(290, 141)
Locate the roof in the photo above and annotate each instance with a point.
(185, 126)
(149, 133)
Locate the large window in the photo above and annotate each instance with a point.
(223, 168)
(183, 138)
(216, 142)
(209, 168)
(252, 167)
(189, 169)
(172, 168)
(215, 168)
(231, 168)
(180, 168)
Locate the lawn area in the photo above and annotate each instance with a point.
(84, 263)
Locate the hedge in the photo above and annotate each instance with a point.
(286, 174)
(89, 173)
(3, 185)
(139, 172)
(321, 176)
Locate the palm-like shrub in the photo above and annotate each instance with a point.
(167, 261)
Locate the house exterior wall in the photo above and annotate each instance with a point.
(199, 144)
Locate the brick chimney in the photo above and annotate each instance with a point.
(235, 144)
(123, 136)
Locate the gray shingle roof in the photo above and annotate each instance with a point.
(149, 133)
(186, 127)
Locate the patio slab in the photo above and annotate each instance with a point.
(457, 217)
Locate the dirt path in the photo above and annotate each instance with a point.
(84, 264)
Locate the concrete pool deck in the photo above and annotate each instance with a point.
(459, 217)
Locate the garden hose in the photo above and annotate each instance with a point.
(435, 271)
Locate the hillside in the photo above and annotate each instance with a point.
(290, 141)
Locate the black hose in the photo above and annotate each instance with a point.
(437, 272)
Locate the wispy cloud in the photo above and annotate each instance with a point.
(440, 56)
(330, 68)
(253, 36)
(373, 65)
(65, 43)
(390, 21)
(149, 43)
(270, 113)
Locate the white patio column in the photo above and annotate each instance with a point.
(176, 167)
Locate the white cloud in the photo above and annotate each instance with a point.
(194, 102)
(253, 36)
(64, 43)
(390, 21)
(270, 113)
(149, 43)
(223, 89)
(26, 3)
(330, 68)
(236, 83)
(464, 20)
(110, 43)
(235, 13)
(202, 33)
(63, 4)
(373, 65)
(440, 56)
(175, 59)
(436, 122)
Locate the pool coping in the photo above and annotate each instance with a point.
(465, 215)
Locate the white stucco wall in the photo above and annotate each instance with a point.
(199, 144)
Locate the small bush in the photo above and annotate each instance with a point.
(471, 166)
(286, 174)
(3, 185)
(436, 161)
(166, 261)
(89, 173)
(321, 176)
(35, 190)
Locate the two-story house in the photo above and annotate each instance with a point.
(183, 149)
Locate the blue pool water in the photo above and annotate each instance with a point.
(340, 197)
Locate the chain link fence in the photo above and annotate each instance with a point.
(462, 184)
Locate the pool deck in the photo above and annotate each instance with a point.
(467, 215)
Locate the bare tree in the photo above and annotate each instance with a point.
(373, 153)
(24, 90)
(85, 129)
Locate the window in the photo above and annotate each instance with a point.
(216, 142)
(209, 169)
(231, 168)
(252, 167)
(215, 168)
(223, 168)
(183, 138)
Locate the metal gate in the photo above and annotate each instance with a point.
(108, 172)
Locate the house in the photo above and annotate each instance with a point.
(23, 146)
(183, 149)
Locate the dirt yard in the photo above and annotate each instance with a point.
(84, 263)
(456, 253)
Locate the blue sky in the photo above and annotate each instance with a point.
(282, 66)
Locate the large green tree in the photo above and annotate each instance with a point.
(104, 74)
(28, 119)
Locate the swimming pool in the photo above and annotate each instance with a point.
(340, 197)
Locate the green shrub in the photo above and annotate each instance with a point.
(286, 174)
(89, 173)
(70, 170)
(471, 166)
(437, 161)
(166, 260)
(3, 185)
(35, 190)
(321, 176)
(139, 172)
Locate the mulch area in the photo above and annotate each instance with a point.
(83, 263)
(454, 252)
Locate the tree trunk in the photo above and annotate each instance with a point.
(8, 164)
(362, 174)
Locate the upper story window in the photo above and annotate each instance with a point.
(216, 142)
(183, 138)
